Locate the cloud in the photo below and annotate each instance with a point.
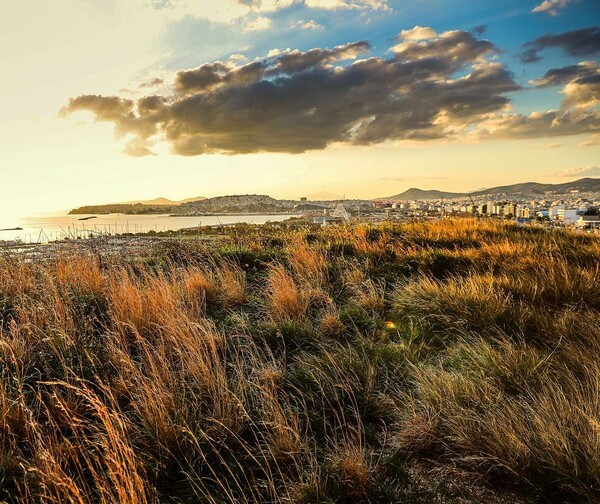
(442, 87)
(237, 58)
(588, 171)
(417, 33)
(152, 83)
(137, 147)
(579, 111)
(551, 7)
(348, 4)
(300, 100)
(274, 5)
(266, 5)
(592, 141)
(583, 72)
(551, 123)
(584, 42)
(162, 4)
(212, 75)
(581, 85)
(257, 24)
(307, 25)
(459, 46)
(121, 112)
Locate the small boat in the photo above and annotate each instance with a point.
(88, 218)
(13, 229)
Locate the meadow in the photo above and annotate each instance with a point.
(447, 361)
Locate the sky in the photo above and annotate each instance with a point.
(113, 100)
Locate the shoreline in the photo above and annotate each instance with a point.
(212, 214)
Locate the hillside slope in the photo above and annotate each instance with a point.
(581, 185)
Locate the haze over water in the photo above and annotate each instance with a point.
(60, 225)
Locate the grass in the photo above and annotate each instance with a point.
(448, 361)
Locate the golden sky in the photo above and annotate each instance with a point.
(301, 83)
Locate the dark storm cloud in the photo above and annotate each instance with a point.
(210, 75)
(296, 101)
(584, 42)
(298, 61)
(586, 72)
(105, 108)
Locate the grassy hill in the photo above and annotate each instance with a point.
(248, 203)
(454, 361)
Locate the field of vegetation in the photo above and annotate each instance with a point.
(454, 361)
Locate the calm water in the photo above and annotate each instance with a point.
(54, 227)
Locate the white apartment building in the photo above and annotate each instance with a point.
(567, 216)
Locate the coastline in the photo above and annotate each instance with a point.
(211, 214)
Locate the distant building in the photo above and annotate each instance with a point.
(509, 210)
(382, 204)
(523, 212)
(555, 209)
(567, 216)
(589, 219)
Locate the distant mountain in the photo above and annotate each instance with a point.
(323, 196)
(154, 206)
(161, 201)
(581, 185)
(421, 194)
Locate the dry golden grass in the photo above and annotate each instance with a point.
(311, 365)
(286, 299)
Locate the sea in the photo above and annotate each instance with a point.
(58, 226)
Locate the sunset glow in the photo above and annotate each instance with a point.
(363, 98)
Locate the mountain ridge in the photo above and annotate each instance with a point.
(587, 184)
(160, 201)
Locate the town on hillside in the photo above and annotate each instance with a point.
(574, 204)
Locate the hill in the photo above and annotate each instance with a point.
(123, 208)
(582, 185)
(421, 194)
(248, 203)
